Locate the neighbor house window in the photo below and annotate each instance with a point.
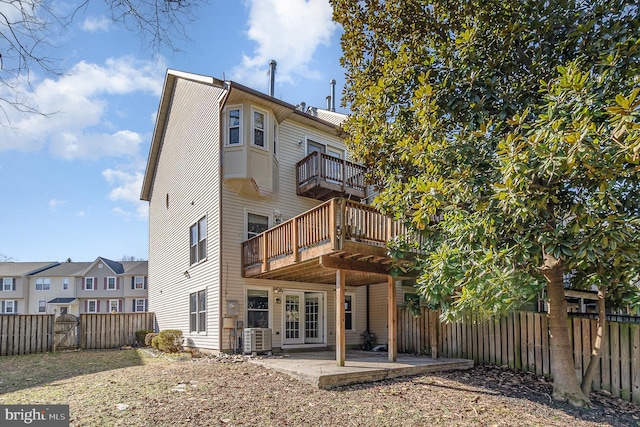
(256, 224)
(234, 135)
(198, 311)
(65, 284)
(114, 306)
(43, 284)
(92, 306)
(275, 136)
(138, 282)
(42, 306)
(8, 284)
(349, 324)
(139, 305)
(89, 283)
(259, 129)
(257, 308)
(111, 283)
(198, 240)
(9, 307)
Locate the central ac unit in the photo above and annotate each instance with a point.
(257, 340)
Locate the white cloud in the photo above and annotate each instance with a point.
(80, 214)
(288, 31)
(54, 203)
(79, 106)
(95, 24)
(127, 187)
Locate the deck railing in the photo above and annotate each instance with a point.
(331, 169)
(332, 223)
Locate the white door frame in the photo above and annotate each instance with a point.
(301, 341)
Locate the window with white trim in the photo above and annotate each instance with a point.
(198, 311)
(43, 284)
(256, 224)
(8, 284)
(111, 283)
(349, 319)
(114, 306)
(234, 126)
(138, 282)
(139, 305)
(92, 306)
(89, 284)
(198, 239)
(42, 306)
(258, 123)
(9, 307)
(65, 284)
(257, 308)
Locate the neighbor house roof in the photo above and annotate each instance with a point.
(235, 92)
(135, 268)
(15, 269)
(61, 301)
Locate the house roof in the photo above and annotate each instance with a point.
(235, 92)
(15, 269)
(63, 269)
(135, 268)
(61, 301)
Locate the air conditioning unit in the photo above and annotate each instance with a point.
(257, 340)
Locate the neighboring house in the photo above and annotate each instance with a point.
(14, 286)
(228, 163)
(101, 286)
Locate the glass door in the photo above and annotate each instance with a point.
(313, 317)
(293, 317)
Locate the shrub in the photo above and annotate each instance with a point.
(148, 338)
(169, 340)
(141, 335)
(154, 341)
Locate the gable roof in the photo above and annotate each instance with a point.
(63, 269)
(114, 266)
(15, 269)
(234, 92)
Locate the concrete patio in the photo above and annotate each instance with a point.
(320, 368)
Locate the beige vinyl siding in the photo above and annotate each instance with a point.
(188, 172)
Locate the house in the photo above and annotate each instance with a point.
(255, 223)
(14, 292)
(101, 286)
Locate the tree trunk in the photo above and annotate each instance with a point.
(597, 346)
(565, 381)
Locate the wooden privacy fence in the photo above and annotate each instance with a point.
(521, 340)
(34, 333)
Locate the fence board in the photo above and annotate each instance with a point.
(635, 362)
(615, 359)
(25, 333)
(625, 371)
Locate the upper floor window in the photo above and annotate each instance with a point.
(234, 126)
(8, 284)
(256, 224)
(111, 283)
(65, 283)
(198, 241)
(88, 283)
(259, 129)
(43, 284)
(138, 282)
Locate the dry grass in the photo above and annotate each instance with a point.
(136, 388)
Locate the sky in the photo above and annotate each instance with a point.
(70, 181)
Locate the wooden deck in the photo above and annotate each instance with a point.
(339, 234)
(322, 177)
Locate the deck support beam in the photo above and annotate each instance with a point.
(391, 320)
(340, 317)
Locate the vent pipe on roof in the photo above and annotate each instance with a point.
(272, 76)
(328, 102)
(333, 95)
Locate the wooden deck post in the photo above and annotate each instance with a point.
(295, 243)
(265, 258)
(340, 336)
(391, 310)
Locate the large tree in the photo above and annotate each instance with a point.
(507, 135)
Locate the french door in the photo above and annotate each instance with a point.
(303, 318)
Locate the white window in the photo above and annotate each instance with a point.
(234, 126)
(198, 232)
(43, 284)
(8, 284)
(92, 306)
(349, 319)
(111, 283)
(114, 306)
(138, 282)
(198, 311)
(275, 136)
(256, 224)
(139, 305)
(42, 306)
(65, 284)
(257, 308)
(89, 283)
(259, 119)
(9, 307)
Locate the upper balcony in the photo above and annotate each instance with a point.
(337, 235)
(323, 177)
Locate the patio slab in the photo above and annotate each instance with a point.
(320, 370)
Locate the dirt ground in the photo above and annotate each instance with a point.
(139, 388)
